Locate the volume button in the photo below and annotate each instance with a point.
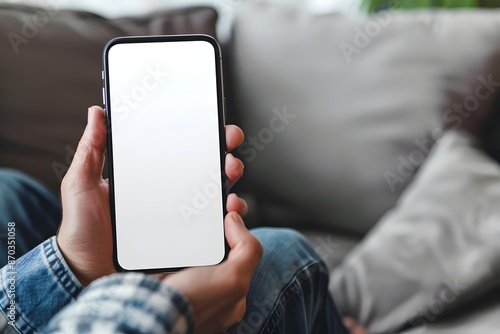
(103, 97)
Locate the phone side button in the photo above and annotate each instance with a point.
(103, 97)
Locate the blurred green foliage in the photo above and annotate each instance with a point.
(376, 5)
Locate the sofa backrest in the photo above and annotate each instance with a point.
(50, 73)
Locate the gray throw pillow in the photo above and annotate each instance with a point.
(437, 250)
(340, 111)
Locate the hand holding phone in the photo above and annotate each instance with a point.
(85, 237)
(217, 294)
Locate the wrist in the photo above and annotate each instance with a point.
(84, 278)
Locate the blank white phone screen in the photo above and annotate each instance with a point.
(163, 105)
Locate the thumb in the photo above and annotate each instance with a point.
(246, 250)
(88, 161)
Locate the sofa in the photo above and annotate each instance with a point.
(387, 133)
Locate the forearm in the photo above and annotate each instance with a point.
(126, 303)
(35, 287)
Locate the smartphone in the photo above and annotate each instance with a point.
(165, 119)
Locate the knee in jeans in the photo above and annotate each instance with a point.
(281, 242)
(14, 182)
(281, 236)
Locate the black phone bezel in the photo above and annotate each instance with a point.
(109, 151)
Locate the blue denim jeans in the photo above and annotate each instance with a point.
(35, 211)
(288, 293)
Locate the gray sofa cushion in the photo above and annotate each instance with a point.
(480, 317)
(50, 65)
(334, 139)
(435, 252)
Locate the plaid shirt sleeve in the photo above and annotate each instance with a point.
(125, 303)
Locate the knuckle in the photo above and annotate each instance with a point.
(255, 247)
(65, 184)
(68, 182)
(71, 179)
(84, 148)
